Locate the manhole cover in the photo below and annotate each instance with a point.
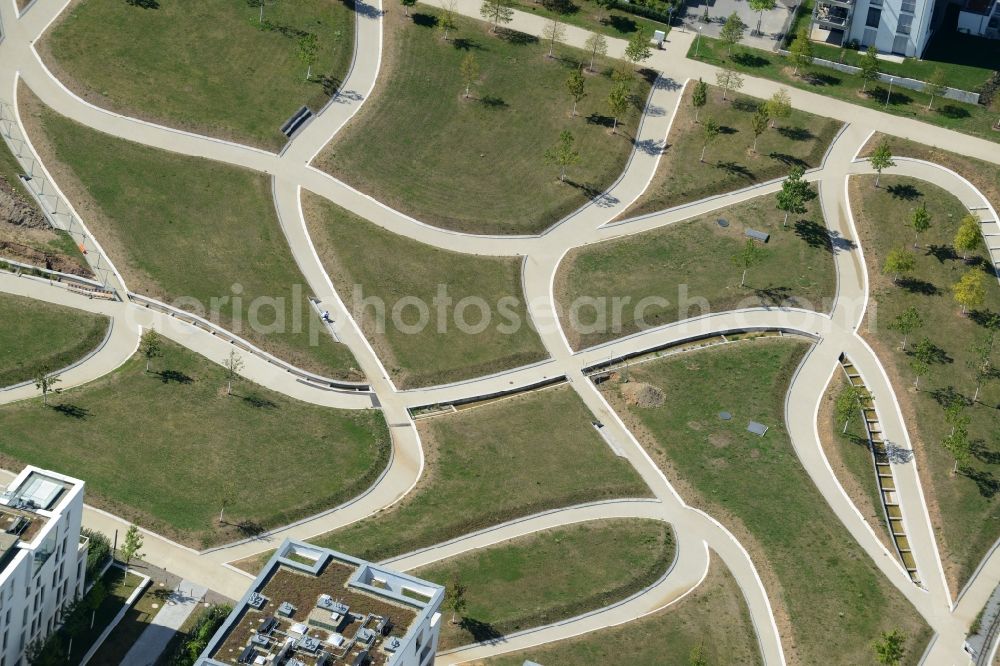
(723, 223)
(725, 416)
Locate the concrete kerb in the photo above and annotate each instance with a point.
(78, 362)
(979, 568)
(31, 148)
(598, 611)
(524, 519)
(836, 264)
(132, 598)
(722, 529)
(147, 532)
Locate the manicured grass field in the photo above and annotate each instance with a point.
(591, 15)
(690, 262)
(968, 118)
(802, 140)
(552, 575)
(266, 458)
(713, 616)
(851, 459)
(492, 464)
(478, 165)
(38, 336)
(965, 507)
(199, 234)
(830, 599)
(360, 255)
(204, 66)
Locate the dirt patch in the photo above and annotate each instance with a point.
(640, 394)
(15, 210)
(721, 440)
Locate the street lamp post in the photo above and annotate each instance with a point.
(697, 42)
(888, 95)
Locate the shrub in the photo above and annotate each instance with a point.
(206, 626)
(98, 552)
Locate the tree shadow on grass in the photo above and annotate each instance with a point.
(330, 84)
(984, 453)
(918, 286)
(564, 7)
(896, 98)
(738, 170)
(822, 79)
(176, 376)
(258, 401)
(750, 60)
(599, 119)
(947, 396)
(482, 632)
(726, 130)
(600, 198)
(516, 37)
(494, 102)
(464, 44)
(814, 234)
(936, 355)
(988, 319)
(796, 133)
(953, 112)
(144, 4)
(788, 160)
(746, 104)
(904, 191)
(425, 20)
(71, 410)
(622, 24)
(773, 296)
(942, 253)
(987, 484)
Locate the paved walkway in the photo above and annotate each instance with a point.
(177, 607)
(697, 533)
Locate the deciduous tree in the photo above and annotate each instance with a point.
(906, 322)
(968, 237)
(898, 262)
(747, 258)
(728, 79)
(881, 158)
(794, 192)
(576, 87)
(553, 32)
(801, 50)
(869, 67)
(469, 69)
(497, 12)
(969, 290)
(308, 52)
(149, 346)
(936, 86)
(618, 101)
(920, 221)
(447, 22)
(761, 6)
(709, 133)
(848, 402)
(406, 5)
(638, 49)
(758, 124)
(779, 105)
(699, 97)
(889, 647)
(732, 32)
(598, 46)
(563, 154)
(131, 545)
(454, 599)
(44, 381)
(233, 364)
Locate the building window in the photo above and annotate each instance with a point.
(874, 16)
(874, 3)
(904, 24)
(908, 7)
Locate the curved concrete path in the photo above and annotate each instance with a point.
(835, 333)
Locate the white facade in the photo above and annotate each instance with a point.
(45, 569)
(900, 27)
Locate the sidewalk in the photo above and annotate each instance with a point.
(178, 607)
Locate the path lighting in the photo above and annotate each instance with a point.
(889, 94)
(697, 42)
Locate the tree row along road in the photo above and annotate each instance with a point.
(696, 532)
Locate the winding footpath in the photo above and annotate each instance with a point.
(697, 534)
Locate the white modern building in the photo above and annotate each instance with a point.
(311, 606)
(899, 27)
(980, 18)
(42, 558)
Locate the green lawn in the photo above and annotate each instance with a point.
(204, 66)
(136, 620)
(265, 457)
(550, 576)
(851, 460)
(968, 118)
(477, 165)
(714, 616)
(591, 15)
(968, 505)
(691, 262)
(450, 347)
(802, 140)
(823, 586)
(10, 171)
(491, 464)
(43, 337)
(194, 233)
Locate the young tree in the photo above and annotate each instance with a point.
(446, 22)
(699, 97)
(968, 237)
(761, 6)
(44, 381)
(936, 86)
(497, 11)
(954, 414)
(132, 545)
(920, 221)
(598, 46)
(920, 368)
(791, 198)
(969, 291)
(758, 124)
(732, 32)
(638, 48)
(454, 599)
(233, 364)
(981, 364)
(848, 402)
(728, 79)
(801, 50)
(563, 153)
(779, 105)
(906, 322)
(869, 67)
(898, 262)
(697, 656)
(881, 158)
(958, 445)
(149, 346)
(618, 101)
(709, 133)
(889, 647)
(469, 69)
(746, 258)
(553, 32)
(308, 51)
(406, 5)
(576, 87)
